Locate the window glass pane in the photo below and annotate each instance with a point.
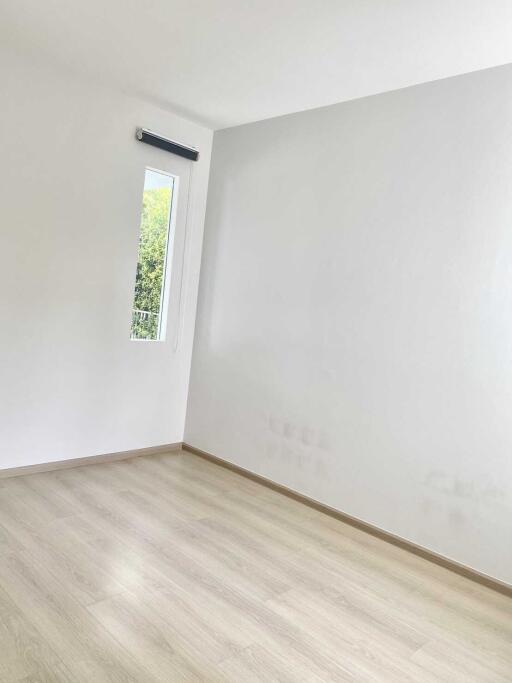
(152, 261)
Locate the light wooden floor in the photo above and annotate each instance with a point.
(170, 568)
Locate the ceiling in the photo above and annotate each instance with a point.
(227, 62)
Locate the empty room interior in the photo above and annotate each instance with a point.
(256, 341)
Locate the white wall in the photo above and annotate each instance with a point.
(354, 334)
(71, 178)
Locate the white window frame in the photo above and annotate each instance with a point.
(169, 258)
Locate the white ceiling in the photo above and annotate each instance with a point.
(227, 62)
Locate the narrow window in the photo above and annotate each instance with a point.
(148, 319)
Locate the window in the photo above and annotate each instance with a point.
(151, 284)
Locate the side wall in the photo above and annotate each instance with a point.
(354, 334)
(71, 178)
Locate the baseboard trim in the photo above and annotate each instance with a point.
(420, 551)
(89, 460)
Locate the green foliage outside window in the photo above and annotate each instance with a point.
(151, 262)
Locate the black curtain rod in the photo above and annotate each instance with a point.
(172, 146)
